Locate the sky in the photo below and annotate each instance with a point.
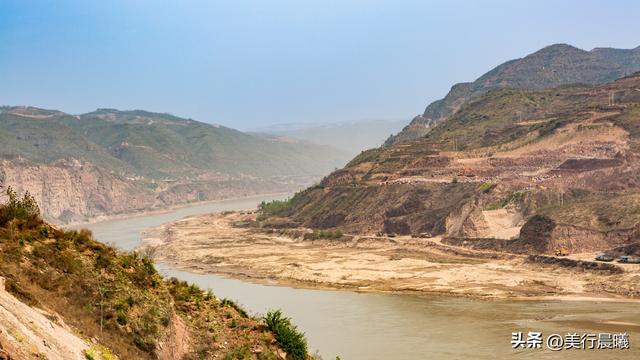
(249, 64)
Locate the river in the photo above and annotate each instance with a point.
(366, 326)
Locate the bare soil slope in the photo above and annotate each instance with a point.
(569, 155)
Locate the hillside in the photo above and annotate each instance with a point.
(93, 164)
(538, 169)
(350, 137)
(64, 295)
(551, 66)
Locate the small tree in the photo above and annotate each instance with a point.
(16, 208)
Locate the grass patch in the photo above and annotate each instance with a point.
(234, 305)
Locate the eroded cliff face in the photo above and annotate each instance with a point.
(543, 235)
(73, 191)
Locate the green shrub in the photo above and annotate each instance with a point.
(324, 234)
(24, 209)
(89, 355)
(233, 304)
(290, 339)
(486, 186)
(121, 318)
(275, 207)
(44, 232)
(502, 203)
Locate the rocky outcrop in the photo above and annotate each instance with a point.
(575, 264)
(28, 333)
(542, 235)
(175, 343)
(69, 191)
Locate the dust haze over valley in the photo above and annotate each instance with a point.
(224, 201)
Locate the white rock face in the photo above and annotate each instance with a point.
(25, 331)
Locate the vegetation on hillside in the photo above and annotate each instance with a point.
(288, 336)
(120, 299)
(156, 146)
(552, 66)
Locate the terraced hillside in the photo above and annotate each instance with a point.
(555, 65)
(111, 161)
(554, 168)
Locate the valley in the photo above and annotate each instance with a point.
(247, 180)
(373, 324)
(112, 162)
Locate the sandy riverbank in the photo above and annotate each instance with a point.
(212, 244)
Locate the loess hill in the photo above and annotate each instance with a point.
(111, 161)
(554, 65)
(536, 169)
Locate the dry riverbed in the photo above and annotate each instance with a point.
(213, 244)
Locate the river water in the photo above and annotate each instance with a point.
(365, 326)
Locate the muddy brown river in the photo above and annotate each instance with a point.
(364, 326)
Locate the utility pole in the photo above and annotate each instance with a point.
(612, 98)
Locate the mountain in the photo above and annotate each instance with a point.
(554, 65)
(349, 137)
(112, 161)
(524, 170)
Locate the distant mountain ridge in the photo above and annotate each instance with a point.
(159, 159)
(350, 137)
(554, 65)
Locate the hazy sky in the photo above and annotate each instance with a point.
(247, 64)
